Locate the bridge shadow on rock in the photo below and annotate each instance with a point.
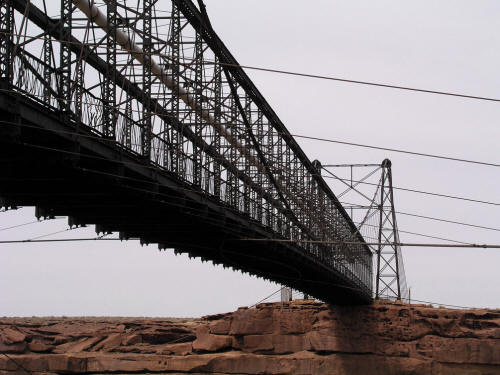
(300, 337)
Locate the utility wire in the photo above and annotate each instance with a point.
(266, 298)
(395, 150)
(28, 223)
(421, 301)
(19, 225)
(367, 83)
(50, 234)
(443, 157)
(421, 192)
(396, 87)
(423, 217)
(403, 213)
(346, 180)
(356, 289)
(447, 221)
(35, 240)
(65, 240)
(416, 234)
(472, 225)
(444, 304)
(296, 74)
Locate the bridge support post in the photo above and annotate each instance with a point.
(65, 96)
(47, 71)
(146, 81)
(391, 279)
(109, 113)
(286, 294)
(217, 117)
(6, 35)
(175, 136)
(198, 120)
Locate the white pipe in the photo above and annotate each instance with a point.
(95, 15)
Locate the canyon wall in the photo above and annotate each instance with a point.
(301, 337)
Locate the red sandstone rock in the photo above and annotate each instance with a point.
(220, 327)
(131, 340)
(39, 346)
(109, 343)
(77, 346)
(176, 349)
(18, 347)
(10, 336)
(206, 342)
(293, 338)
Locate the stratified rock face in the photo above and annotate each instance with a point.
(295, 338)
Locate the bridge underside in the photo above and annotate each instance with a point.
(47, 162)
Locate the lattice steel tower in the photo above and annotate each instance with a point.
(390, 278)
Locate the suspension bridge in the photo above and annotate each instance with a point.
(139, 120)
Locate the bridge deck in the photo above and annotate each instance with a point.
(48, 162)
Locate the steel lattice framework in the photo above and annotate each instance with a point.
(379, 226)
(390, 279)
(162, 86)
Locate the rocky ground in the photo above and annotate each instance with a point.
(295, 338)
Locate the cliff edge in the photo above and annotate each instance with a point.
(301, 337)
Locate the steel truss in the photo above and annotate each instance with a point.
(375, 216)
(390, 279)
(162, 85)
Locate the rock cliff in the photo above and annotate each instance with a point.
(301, 337)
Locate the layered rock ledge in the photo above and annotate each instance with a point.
(301, 337)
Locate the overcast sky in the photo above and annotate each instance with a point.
(445, 45)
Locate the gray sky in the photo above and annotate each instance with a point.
(445, 45)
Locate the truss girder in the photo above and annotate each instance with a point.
(170, 92)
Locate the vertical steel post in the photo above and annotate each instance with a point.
(217, 119)
(47, 67)
(246, 188)
(79, 84)
(146, 81)
(198, 122)
(109, 110)
(379, 248)
(233, 178)
(394, 226)
(65, 94)
(260, 180)
(128, 122)
(175, 136)
(6, 35)
(390, 267)
(268, 184)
